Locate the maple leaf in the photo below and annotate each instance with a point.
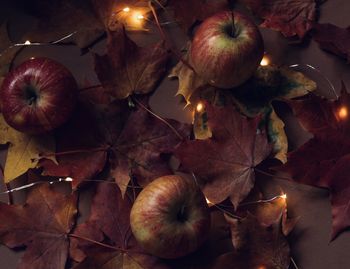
(142, 150)
(256, 96)
(188, 12)
(24, 150)
(109, 221)
(79, 142)
(259, 238)
(42, 224)
(58, 18)
(333, 39)
(127, 69)
(290, 17)
(323, 161)
(225, 162)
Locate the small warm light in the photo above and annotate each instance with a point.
(27, 42)
(284, 196)
(68, 179)
(265, 61)
(32, 58)
(140, 17)
(343, 113)
(208, 202)
(126, 9)
(199, 107)
(261, 267)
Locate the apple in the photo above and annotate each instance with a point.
(226, 54)
(170, 217)
(38, 96)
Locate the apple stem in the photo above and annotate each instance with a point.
(159, 118)
(233, 30)
(165, 38)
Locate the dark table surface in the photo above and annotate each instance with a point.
(310, 240)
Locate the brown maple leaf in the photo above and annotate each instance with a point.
(58, 18)
(290, 17)
(225, 162)
(259, 238)
(80, 150)
(127, 69)
(333, 39)
(109, 222)
(188, 12)
(324, 160)
(143, 148)
(42, 225)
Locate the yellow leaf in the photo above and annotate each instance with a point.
(189, 81)
(24, 150)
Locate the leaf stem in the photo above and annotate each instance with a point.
(96, 242)
(271, 175)
(166, 39)
(90, 87)
(159, 118)
(75, 151)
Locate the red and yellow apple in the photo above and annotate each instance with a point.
(227, 49)
(170, 217)
(38, 96)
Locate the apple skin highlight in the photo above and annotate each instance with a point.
(227, 56)
(170, 217)
(38, 96)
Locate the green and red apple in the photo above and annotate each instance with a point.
(170, 217)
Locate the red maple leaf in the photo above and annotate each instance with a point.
(225, 163)
(109, 224)
(42, 224)
(333, 39)
(188, 12)
(324, 161)
(290, 17)
(127, 68)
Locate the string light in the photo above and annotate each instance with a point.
(126, 9)
(27, 42)
(343, 112)
(265, 61)
(282, 196)
(199, 107)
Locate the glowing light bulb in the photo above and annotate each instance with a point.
(265, 61)
(32, 58)
(126, 9)
(68, 179)
(208, 202)
(284, 196)
(27, 42)
(199, 107)
(140, 17)
(343, 112)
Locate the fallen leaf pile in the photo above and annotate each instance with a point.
(114, 144)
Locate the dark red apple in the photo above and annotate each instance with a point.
(38, 96)
(227, 49)
(170, 217)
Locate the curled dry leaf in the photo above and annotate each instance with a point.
(127, 69)
(24, 150)
(324, 160)
(188, 12)
(290, 17)
(225, 162)
(333, 39)
(42, 225)
(109, 222)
